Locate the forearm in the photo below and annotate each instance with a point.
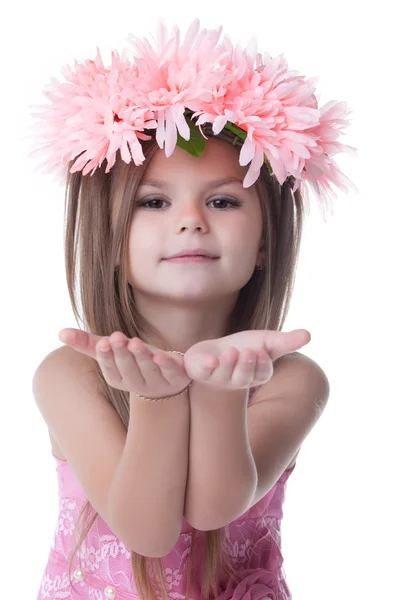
(148, 492)
(222, 474)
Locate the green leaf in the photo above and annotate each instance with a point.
(235, 129)
(270, 171)
(243, 134)
(196, 144)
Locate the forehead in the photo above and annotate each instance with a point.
(219, 160)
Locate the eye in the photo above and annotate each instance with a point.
(145, 203)
(233, 203)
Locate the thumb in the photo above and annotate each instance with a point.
(285, 342)
(80, 340)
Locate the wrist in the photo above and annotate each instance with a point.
(204, 392)
(179, 401)
(169, 397)
(158, 398)
(147, 399)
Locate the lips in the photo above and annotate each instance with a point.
(191, 258)
(187, 252)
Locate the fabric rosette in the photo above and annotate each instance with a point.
(257, 584)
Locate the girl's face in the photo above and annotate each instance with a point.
(187, 209)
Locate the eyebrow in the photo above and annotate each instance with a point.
(212, 184)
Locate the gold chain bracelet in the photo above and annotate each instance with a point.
(166, 397)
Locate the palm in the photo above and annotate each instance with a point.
(223, 361)
(86, 343)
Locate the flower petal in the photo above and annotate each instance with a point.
(171, 134)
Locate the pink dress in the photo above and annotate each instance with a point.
(253, 542)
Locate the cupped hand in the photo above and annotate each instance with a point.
(241, 360)
(135, 367)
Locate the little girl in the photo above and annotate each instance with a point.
(176, 414)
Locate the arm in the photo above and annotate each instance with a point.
(271, 430)
(222, 473)
(148, 489)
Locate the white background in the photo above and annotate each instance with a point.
(341, 526)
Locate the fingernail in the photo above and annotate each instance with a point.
(105, 348)
(118, 344)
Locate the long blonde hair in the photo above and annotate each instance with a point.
(108, 303)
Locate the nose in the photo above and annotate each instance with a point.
(191, 216)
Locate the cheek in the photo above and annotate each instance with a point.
(142, 237)
(246, 236)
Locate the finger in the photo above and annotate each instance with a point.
(149, 370)
(246, 374)
(201, 366)
(106, 358)
(243, 374)
(117, 363)
(264, 368)
(169, 368)
(227, 363)
(86, 342)
(127, 365)
(279, 343)
(82, 341)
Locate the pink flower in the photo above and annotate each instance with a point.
(91, 116)
(270, 103)
(99, 110)
(170, 77)
(321, 169)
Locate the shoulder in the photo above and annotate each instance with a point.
(51, 371)
(61, 366)
(294, 373)
(65, 355)
(302, 363)
(302, 385)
